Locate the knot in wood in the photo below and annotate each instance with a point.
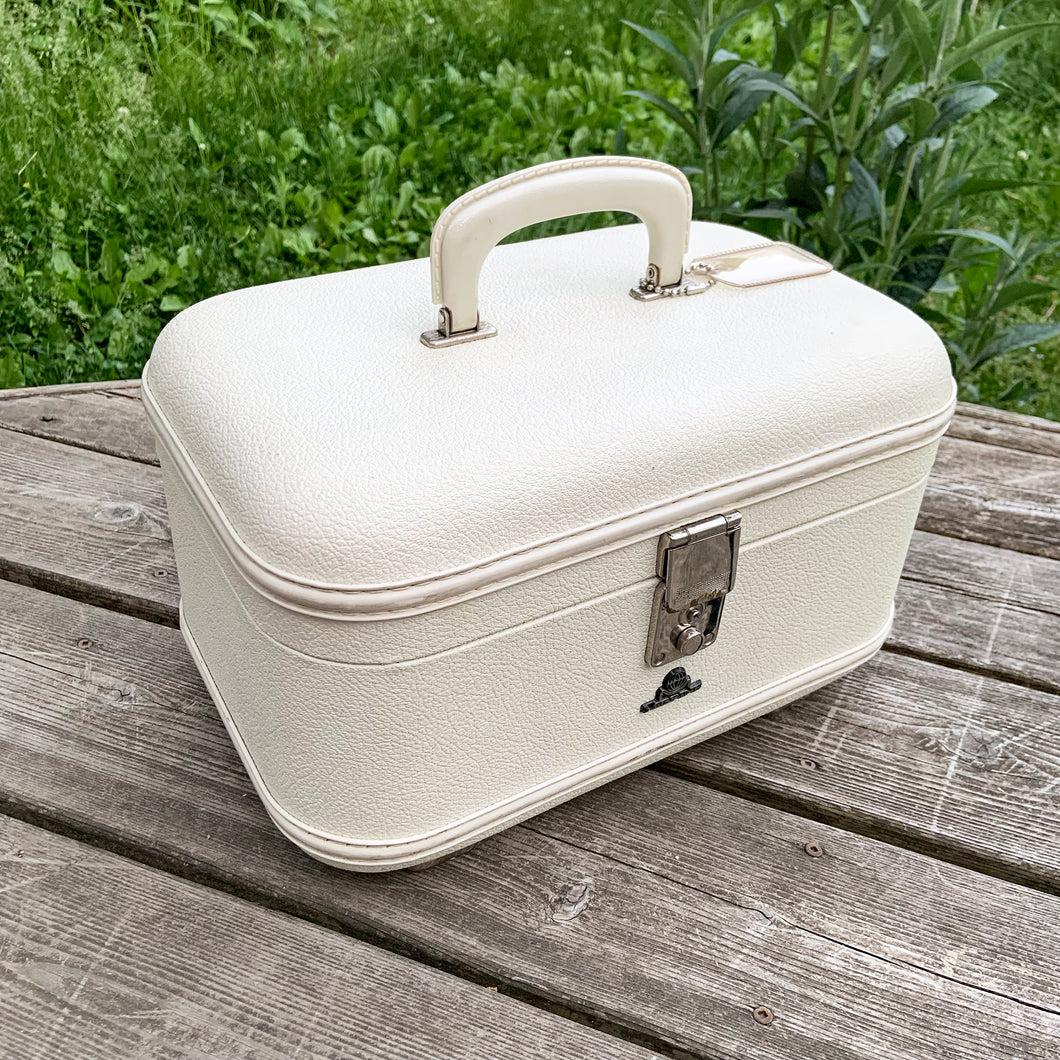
(570, 900)
(117, 513)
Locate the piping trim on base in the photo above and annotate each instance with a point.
(380, 855)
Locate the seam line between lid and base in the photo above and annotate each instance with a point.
(399, 599)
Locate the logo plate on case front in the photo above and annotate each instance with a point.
(674, 685)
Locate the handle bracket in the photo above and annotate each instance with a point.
(444, 336)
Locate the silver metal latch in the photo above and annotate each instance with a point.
(697, 568)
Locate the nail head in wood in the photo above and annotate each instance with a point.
(814, 849)
(763, 1015)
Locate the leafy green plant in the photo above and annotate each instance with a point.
(724, 91)
(977, 324)
(211, 144)
(860, 151)
(208, 146)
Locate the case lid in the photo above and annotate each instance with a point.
(351, 468)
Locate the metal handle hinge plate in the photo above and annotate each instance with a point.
(696, 566)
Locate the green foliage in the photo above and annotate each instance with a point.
(158, 151)
(990, 283)
(210, 145)
(861, 129)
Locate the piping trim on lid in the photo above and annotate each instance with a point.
(399, 599)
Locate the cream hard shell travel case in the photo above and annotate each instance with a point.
(439, 575)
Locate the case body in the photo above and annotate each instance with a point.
(418, 582)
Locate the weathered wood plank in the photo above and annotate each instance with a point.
(980, 423)
(983, 608)
(15, 392)
(994, 495)
(997, 493)
(87, 525)
(108, 421)
(101, 957)
(980, 607)
(962, 765)
(662, 908)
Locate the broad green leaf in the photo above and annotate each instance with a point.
(108, 258)
(989, 45)
(949, 24)
(144, 271)
(1021, 291)
(1020, 390)
(770, 83)
(774, 213)
(984, 237)
(681, 62)
(898, 107)
(1017, 337)
(63, 265)
(961, 100)
(735, 109)
(899, 64)
(718, 71)
(171, 303)
(863, 15)
(666, 107)
(917, 26)
(935, 316)
(863, 194)
(882, 9)
(924, 113)
(967, 71)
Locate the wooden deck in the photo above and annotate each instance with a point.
(871, 872)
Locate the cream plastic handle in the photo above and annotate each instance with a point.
(471, 226)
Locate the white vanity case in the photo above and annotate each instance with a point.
(436, 585)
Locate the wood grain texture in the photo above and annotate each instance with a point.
(980, 607)
(100, 533)
(108, 421)
(666, 910)
(102, 958)
(997, 493)
(994, 495)
(87, 525)
(16, 392)
(987, 609)
(961, 765)
(980, 423)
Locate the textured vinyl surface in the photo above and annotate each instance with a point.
(379, 752)
(342, 450)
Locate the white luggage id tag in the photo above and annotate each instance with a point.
(760, 264)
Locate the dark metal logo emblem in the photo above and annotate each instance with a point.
(674, 685)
